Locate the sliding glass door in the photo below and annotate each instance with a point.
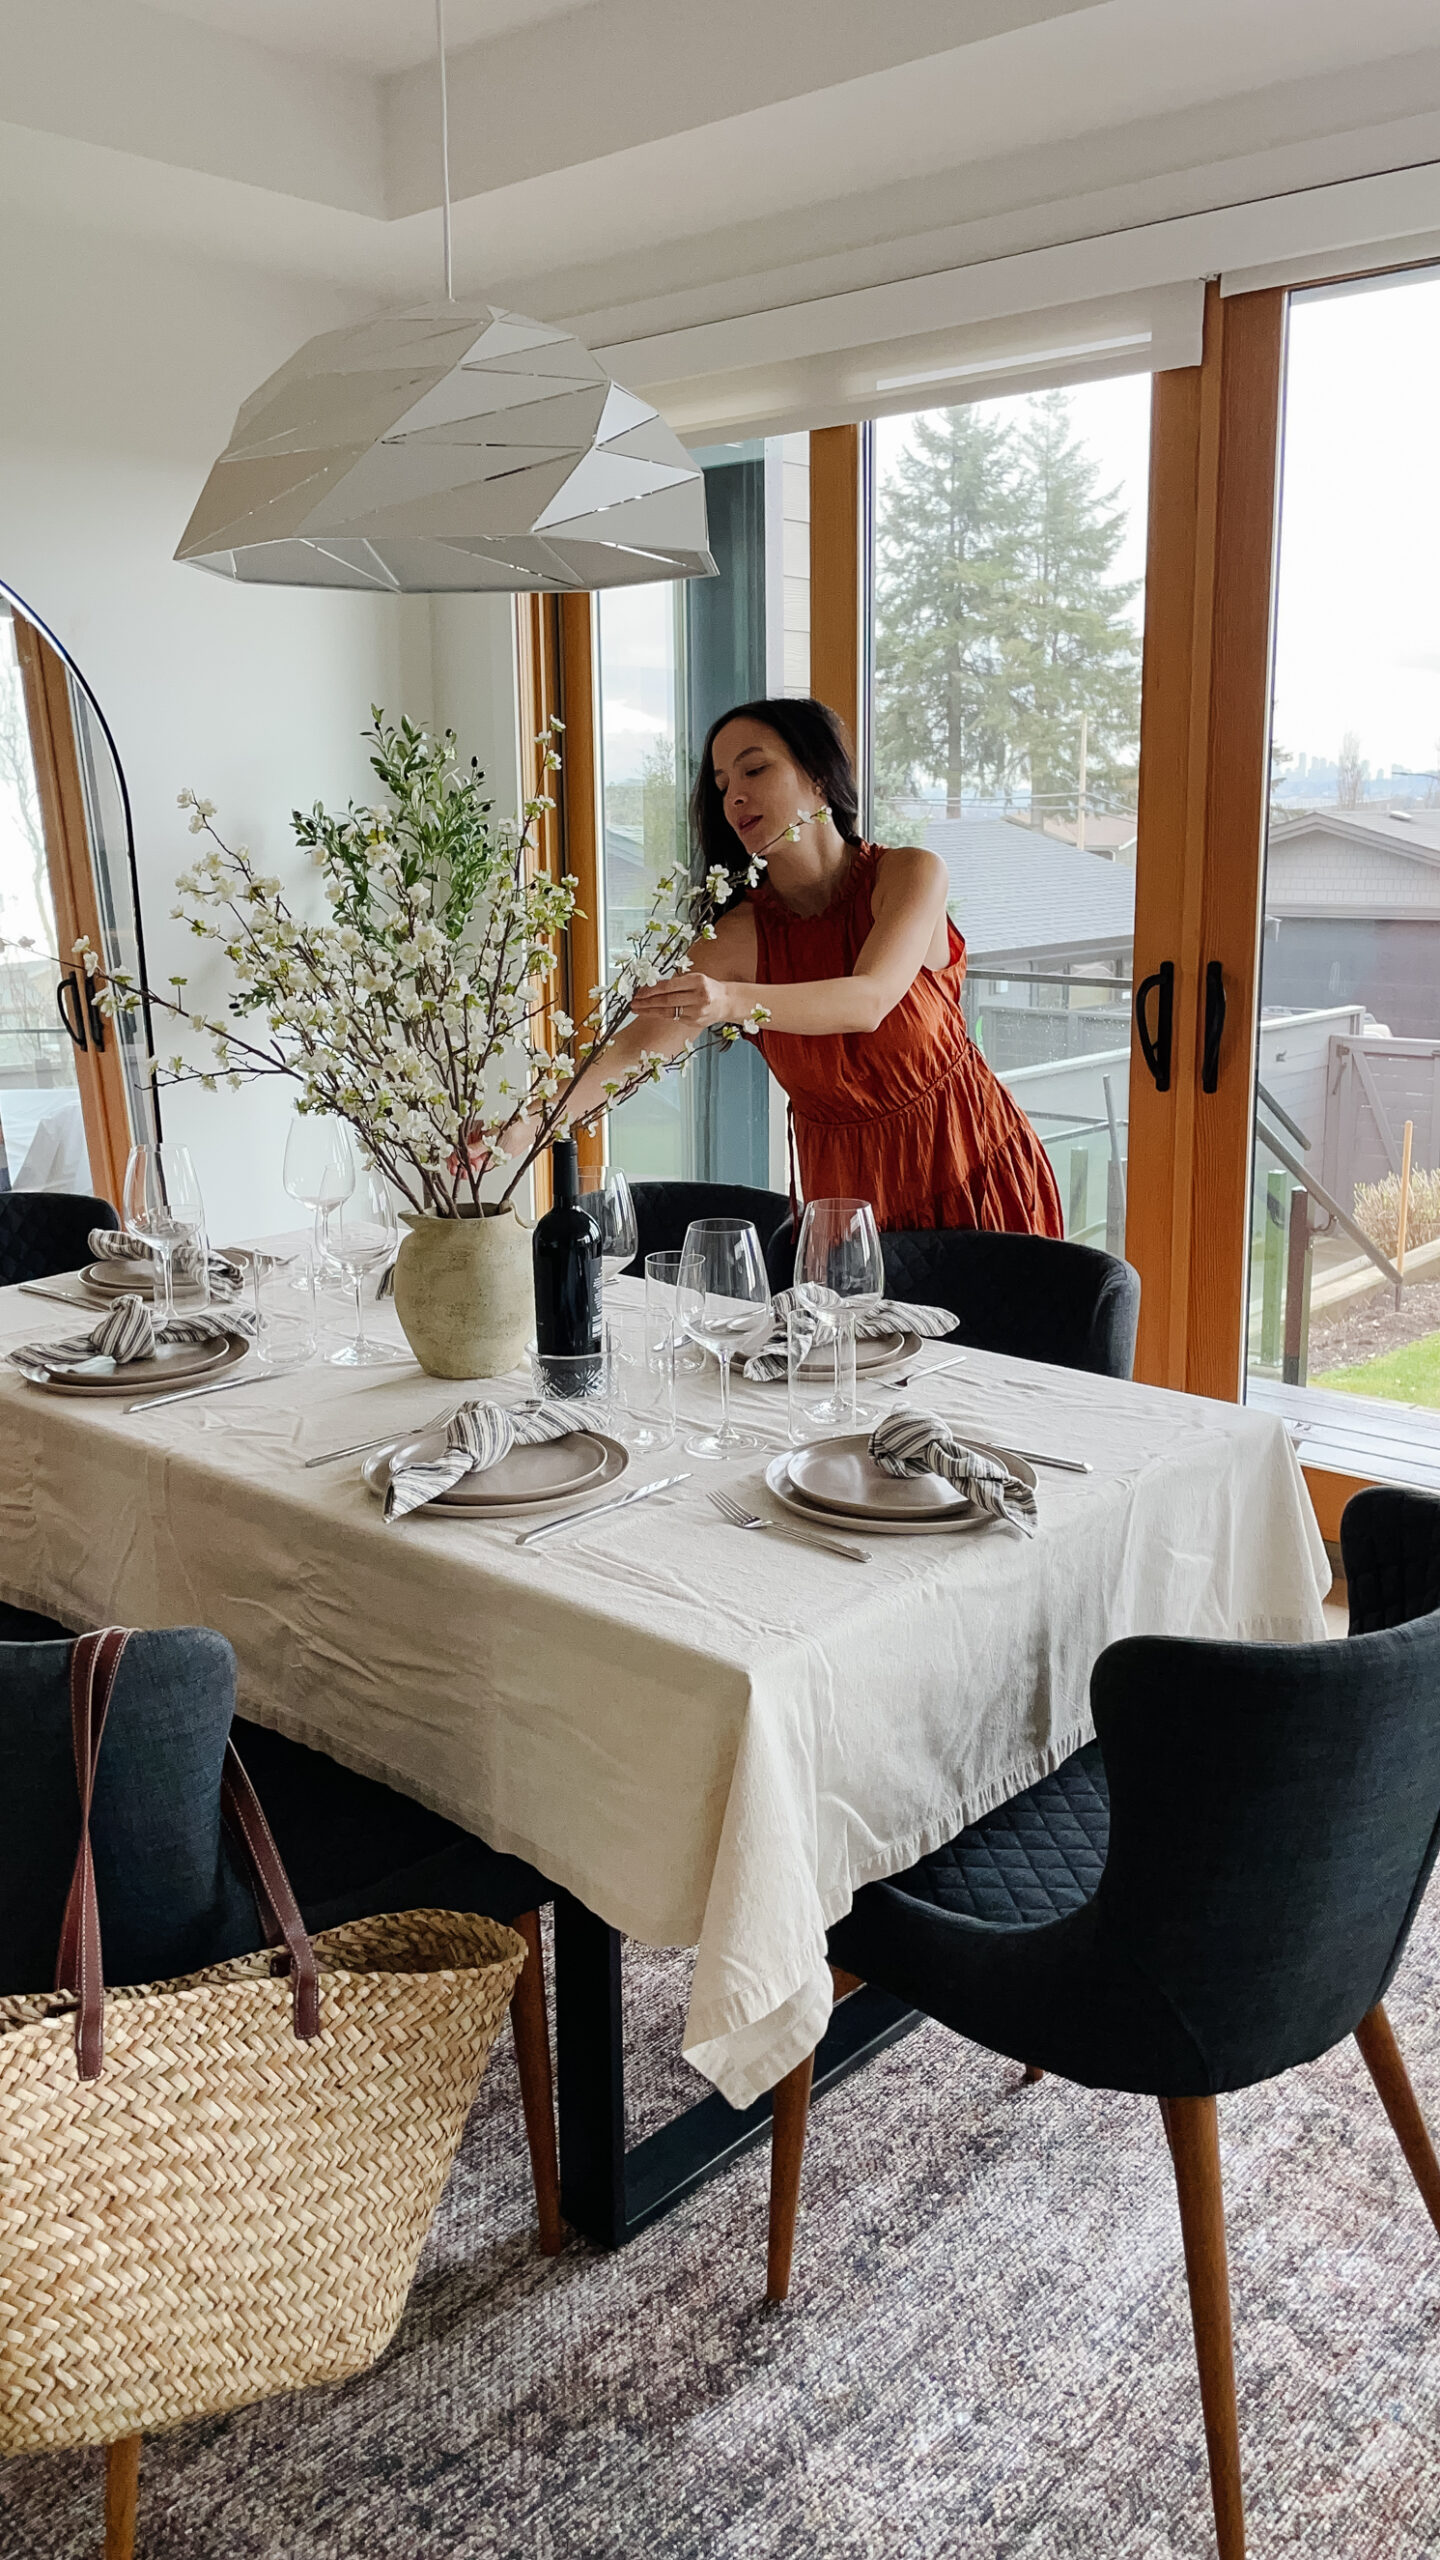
(1008, 583)
(1344, 1248)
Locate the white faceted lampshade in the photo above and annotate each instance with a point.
(449, 447)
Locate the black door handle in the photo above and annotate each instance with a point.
(1156, 1045)
(96, 1017)
(70, 984)
(1214, 1026)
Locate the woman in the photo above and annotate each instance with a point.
(843, 953)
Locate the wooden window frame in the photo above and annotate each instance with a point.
(100, 1073)
(555, 658)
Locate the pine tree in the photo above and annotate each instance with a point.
(997, 624)
(947, 558)
(1071, 647)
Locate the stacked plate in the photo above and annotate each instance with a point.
(524, 1480)
(838, 1480)
(121, 1278)
(172, 1364)
(880, 1351)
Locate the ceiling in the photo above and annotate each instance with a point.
(644, 166)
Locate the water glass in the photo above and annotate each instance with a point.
(840, 1271)
(723, 1301)
(573, 1377)
(816, 1400)
(282, 1300)
(162, 1205)
(641, 1343)
(321, 1168)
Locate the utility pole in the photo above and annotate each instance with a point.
(1080, 800)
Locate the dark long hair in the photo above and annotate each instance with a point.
(815, 738)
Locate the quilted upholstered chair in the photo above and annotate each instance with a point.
(1273, 1819)
(1027, 1297)
(42, 1232)
(171, 1898)
(663, 1211)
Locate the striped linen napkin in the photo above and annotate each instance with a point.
(891, 1316)
(126, 1332)
(476, 1437)
(911, 1443)
(110, 1244)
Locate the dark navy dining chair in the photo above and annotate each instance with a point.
(1218, 1889)
(172, 1898)
(663, 1211)
(42, 1232)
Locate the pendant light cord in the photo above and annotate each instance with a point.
(445, 153)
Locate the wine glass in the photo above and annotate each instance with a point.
(840, 1271)
(162, 1205)
(320, 1169)
(612, 1206)
(362, 1234)
(723, 1301)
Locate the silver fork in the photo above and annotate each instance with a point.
(740, 1518)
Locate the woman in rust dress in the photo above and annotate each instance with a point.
(842, 954)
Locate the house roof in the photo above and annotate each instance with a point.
(1015, 892)
(1417, 837)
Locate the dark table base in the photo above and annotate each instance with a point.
(607, 2192)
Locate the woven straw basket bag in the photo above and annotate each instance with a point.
(217, 2188)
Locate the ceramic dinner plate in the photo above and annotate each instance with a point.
(120, 1279)
(881, 1352)
(609, 1461)
(841, 1475)
(946, 1523)
(177, 1364)
(546, 1472)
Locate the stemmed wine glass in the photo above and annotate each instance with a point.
(363, 1234)
(840, 1271)
(320, 1169)
(162, 1204)
(723, 1301)
(612, 1206)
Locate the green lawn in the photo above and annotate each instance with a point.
(1411, 1376)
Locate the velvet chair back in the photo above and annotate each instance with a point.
(1390, 1556)
(1027, 1297)
(663, 1211)
(170, 1897)
(42, 1232)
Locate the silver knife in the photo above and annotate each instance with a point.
(581, 1519)
(222, 1386)
(62, 1297)
(1037, 1458)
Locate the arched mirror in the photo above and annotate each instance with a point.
(72, 1090)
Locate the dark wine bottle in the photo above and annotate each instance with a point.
(567, 1280)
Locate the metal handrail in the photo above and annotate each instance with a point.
(1332, 1207)
(1283, 1116)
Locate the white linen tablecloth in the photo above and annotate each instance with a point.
(713, 1739)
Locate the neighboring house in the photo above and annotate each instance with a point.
(1352, 915)
(1023, 901)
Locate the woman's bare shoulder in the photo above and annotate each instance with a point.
(908, 870)
(734, 946)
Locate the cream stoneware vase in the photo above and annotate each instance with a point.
(464, 1292)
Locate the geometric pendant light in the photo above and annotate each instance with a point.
(451, 446)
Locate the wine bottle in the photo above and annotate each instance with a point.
(567, 1280)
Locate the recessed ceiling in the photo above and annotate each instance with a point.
(368, 35)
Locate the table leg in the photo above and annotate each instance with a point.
(610, 2194)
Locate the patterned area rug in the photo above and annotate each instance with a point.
(987, 2350)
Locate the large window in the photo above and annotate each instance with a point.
(1348, 1054)
(671, 658)
(1008, 582)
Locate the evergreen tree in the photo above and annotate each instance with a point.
(997, 625)
(1071, 647)
(947, 558)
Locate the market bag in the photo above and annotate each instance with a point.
(217, 2188)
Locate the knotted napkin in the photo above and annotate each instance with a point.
(109, 1244)
(476, 1437)
(817, 1325)
(126, 1332)
(911, 1443)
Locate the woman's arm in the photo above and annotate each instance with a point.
(908, 907)
(654, 1027)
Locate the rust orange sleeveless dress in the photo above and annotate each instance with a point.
(909, 1116)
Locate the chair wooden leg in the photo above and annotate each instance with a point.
(537, 2089)
(787, 2151)
(122, 2495)
(1386, 2065)
(1195, 2148)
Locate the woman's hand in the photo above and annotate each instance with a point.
(513, 1142)
(691, 998)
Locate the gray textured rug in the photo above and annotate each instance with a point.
(987, 2351)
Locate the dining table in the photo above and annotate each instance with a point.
(706, 1738)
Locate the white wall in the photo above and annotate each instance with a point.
(121, 368)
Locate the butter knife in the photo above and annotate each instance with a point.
(582, 1519)
(221, 1386)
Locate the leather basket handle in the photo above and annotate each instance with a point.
(79, 1967)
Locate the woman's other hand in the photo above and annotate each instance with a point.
(482, 1155)
(691, 998)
